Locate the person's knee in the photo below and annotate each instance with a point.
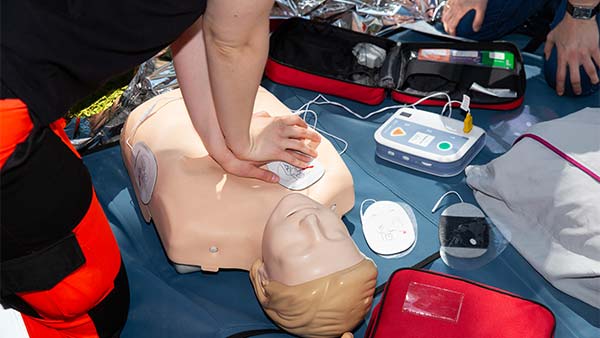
(550, 70)
(465, 26)
(486, 32)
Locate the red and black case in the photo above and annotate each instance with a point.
(317, 56)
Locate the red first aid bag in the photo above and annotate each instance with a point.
(321, 57)
(420, 303)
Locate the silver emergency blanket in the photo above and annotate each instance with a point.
(550, 206)
(153, 77)
(368, 16)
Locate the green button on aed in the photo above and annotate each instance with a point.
(444, 146)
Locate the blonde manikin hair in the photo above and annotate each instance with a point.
(326, 307)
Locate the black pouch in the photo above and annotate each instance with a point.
(319, 57)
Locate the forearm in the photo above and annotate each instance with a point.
(236, 36)
(189, 59)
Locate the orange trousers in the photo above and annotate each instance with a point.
(47, 201)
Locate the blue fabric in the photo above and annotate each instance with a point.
(501, 18)
(166, 304)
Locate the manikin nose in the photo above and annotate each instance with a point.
(311, 222)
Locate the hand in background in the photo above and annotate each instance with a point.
(455, 10)
(577, 44)
(280, 138)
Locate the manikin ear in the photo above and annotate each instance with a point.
(260, 279)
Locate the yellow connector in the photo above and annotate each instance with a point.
(468, 123)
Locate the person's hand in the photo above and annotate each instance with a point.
(456, 9)
(577, 44)
(233, 165)
(280, 138)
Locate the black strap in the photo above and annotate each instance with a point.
(378, 290)
(44, 269)
(420, 265)
(41, 270)
(15, 302)
(450, 72)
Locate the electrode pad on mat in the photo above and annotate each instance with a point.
(468, 239)
(389, 228)
(464, 231)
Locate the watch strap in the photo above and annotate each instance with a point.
(579, 12)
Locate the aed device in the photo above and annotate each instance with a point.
(428, 142)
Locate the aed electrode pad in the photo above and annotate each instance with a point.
(464, 231)
(295, 178)
(468, 239)
(145, 171)
(389, 228)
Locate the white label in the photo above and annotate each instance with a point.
(435, 52)
(466, 102)
(497, 55)
(465, 53)
(421, 139)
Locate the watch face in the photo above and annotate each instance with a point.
(582, 13)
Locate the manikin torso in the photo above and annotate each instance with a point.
(204, 216)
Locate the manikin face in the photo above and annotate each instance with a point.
(303, 241)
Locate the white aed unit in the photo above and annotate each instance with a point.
(428, 142)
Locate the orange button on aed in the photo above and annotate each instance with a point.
(398, 132)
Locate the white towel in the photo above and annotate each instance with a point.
(548, 207)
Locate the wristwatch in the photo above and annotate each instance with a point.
(582, 13)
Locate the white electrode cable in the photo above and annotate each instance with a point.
(450, 103)
(305, 108)
(325, 101)
(437, 205)
(362, 204)
(314, 126)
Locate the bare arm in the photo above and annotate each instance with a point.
(189, 58)
(236, 34)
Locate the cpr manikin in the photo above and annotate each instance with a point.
(204, 216)
(312, 280)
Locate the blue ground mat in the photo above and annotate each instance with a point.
(167, 304)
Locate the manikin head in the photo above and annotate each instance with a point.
(312, 281)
